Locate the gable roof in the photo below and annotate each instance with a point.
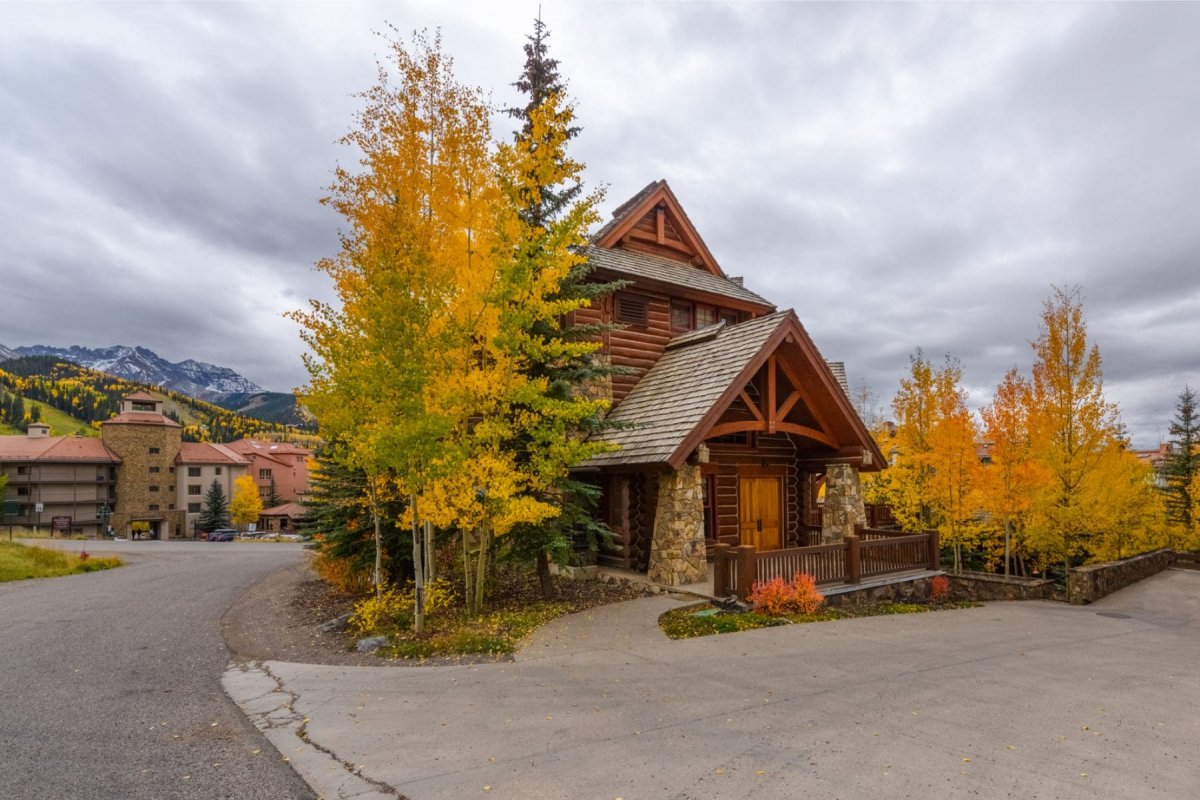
(672, 408)
(645, 266)
(207, 453)
(56, 448)
(141, 395)
(655, 208)
(292, 510)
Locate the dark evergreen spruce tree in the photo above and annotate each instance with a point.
(339, 510)
(542, 210)
(1183, 464)
(215, 512)
(272, 499)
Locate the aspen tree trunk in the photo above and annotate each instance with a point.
(543, 574)
(418, 571)
(1007, 543)
(468, 585)
(378, 577)
(481, 566)
(430, 565)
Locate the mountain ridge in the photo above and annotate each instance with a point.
(196, 378)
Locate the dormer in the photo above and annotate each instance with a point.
(37, 430)
(142, 402)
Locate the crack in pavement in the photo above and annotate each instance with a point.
(273, 712)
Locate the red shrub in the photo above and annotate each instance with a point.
(777, 596)
(939, 588)
(84, 555)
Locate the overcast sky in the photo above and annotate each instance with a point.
(902, 175)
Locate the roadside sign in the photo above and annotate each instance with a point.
(60, 523)
(39, 507)
(250, 528)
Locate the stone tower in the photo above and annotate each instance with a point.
(148, 444)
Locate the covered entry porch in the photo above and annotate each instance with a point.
(725, 442)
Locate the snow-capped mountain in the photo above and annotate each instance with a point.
(196, 378)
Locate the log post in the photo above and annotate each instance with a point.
(721, 570)
(747, 569)
(935, 551)
(853, 559)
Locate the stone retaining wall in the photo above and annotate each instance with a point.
(985, 586)
(1088, 584)
(916, 590)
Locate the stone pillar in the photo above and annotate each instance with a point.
(843, 503)
(677, 554)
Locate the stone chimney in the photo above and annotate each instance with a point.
(37, 430)
(738, 279)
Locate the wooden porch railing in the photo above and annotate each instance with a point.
(869, 554)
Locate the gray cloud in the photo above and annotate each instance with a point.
(903, 175)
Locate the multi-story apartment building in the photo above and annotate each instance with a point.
(140, 477)
(70, 478)
(285, 464)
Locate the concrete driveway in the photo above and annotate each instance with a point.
(1029, 700)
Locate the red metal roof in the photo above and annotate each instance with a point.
(56, 448)
(207, 453)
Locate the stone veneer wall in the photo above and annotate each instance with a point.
(843, 504)
(677, 553)
(985, 586)
(132, 442)
(1090, 583)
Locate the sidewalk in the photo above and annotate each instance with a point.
(1030, 699)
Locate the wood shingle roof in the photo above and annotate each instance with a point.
(678, 392)
(644, 266)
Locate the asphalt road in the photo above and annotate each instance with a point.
(109, 681)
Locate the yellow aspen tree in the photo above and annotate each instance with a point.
(1012, 475)
(933, 430)
(1126, 511)
(1071, 426)
(246, 505)
(953, 461)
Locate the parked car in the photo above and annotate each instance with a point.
(222, 535)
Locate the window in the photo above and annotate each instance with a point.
(218, 470)
(729, 317)
(154, 469)
(22, 470)
(171, 488)
(705, 316)
(153, 451)
(264, 474)
(193, 508)
(193, 472)
(143, 406)
(283, 523)
(153, 507)
(681, 315)
(193, 489)
(631, 309)
(741, 439)
(153, 488)
(22, 491)
(171, 507)
(171, 470)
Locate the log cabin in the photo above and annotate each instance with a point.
(729, 417)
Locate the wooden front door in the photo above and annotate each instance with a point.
(760, 512)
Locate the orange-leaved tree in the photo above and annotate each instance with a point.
(1012, 475)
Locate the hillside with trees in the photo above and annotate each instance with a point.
(69, 398)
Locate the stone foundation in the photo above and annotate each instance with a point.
(843, 504)
(677, 553)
